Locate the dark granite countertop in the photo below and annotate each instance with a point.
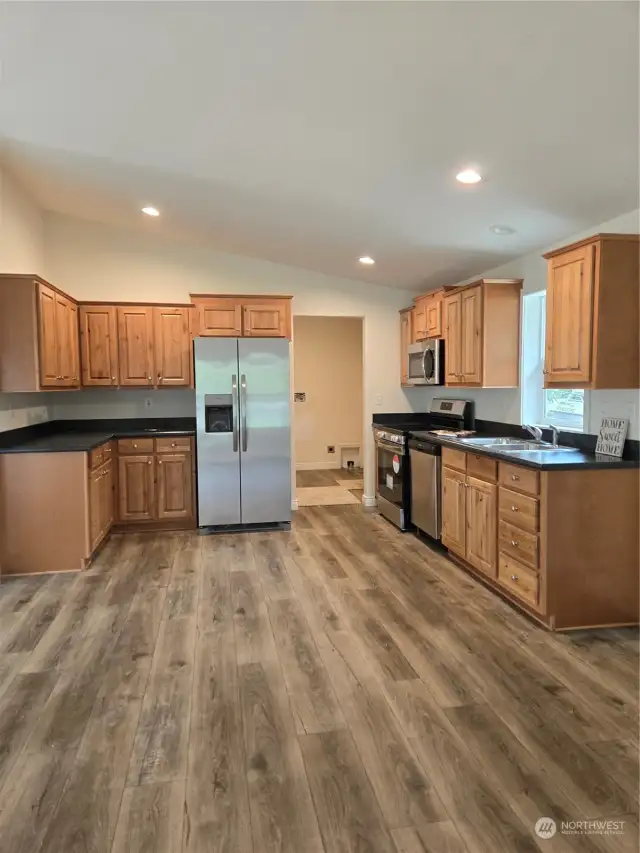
(82, 436)
(546, 460)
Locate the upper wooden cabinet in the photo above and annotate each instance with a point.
(99, 344)
(592, 337)
(39, 341)
(427, 316)
(482, 331)
(242, 316)
(136, 345)
(406, 338)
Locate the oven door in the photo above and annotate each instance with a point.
(391, 462)
(416, 365)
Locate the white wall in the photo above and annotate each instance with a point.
(505, 404)
(93, 261)
(327, 368)
(21, 251)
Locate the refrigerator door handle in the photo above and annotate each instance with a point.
(243, 386)
(234, 400)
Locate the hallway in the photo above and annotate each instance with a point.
(337, 689)
(329, 487)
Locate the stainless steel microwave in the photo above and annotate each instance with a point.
(426, 362)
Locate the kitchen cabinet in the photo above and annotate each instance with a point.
(135, 345)
(172, 347)
(419, 320)
(243, 316)
(562, 545)
(39, 340)
(156, 482)
(406, 338)
(427, 316)
(592, 332)
(483, 334)
(101, 513)
(99, 345)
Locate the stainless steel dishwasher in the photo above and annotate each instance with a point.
(426, 512)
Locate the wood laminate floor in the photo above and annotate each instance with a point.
(340, 688)
(329, 487)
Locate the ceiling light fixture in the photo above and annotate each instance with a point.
(468, 176)
(151, 211)
(366, 260)
(502, 230)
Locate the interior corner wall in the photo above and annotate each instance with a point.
(94, 261)
(21, 251)
(504, 404)
(327, 369)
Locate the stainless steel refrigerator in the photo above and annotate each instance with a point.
(243, 413)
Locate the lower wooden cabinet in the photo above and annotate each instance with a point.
(101, 481)
(481, 511)
(454, 513)
(155, 486)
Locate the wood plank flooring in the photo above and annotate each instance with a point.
(340, 688)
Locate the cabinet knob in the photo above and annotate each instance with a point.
(514, 508)
(515, 477)
(149, 378)
(514, 542)
(159, 462)
(173, 444)
(149, 462)
(113, 378)
(514, 578)
(135, 446)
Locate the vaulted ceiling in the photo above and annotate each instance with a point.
(311, 133)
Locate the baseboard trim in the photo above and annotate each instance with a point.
(369, 500)
(294, 504)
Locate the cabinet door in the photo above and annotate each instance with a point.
(569, 327)
(267, 320)
(95, 509)
(482, 513)
(107, 498)
(99, 345)
(50, 375)
(420, 320)
(471, 349)
(172, 346)
(453, 354)
(454, 511)
(135, 350)
(63, 339)
(405, 339)
(434, 317)
(220, 317)
(175, 486)
(74, 344)
(136, 488)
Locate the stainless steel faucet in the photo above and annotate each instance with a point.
(535, 431)
(555, 432)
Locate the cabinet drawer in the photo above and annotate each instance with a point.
(520, 510)
(135, 445)
(482, 467)
(521, 479)
(454, 458)
(173, 444)
(519, 579)
(518, 543)
(96, 458)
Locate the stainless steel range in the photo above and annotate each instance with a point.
(393, 485)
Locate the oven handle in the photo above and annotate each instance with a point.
(387, 445)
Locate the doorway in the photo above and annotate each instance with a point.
(328, 409)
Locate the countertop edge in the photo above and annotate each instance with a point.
(91, 443)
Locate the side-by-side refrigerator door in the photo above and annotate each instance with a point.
(217, 430)
(265, 430)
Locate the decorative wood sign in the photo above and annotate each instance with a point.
(613, 432)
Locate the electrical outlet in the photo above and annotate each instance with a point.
(331, 448)
(148, 402)
(379, 399)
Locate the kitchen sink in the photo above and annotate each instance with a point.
(515, 445)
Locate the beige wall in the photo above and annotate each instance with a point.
(21, 251)
(327, 367)
(95, 261)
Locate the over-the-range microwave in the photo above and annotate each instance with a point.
(426, 362)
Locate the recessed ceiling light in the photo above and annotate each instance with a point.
(468, 176)
(151, 211)
(366, 260)
(502, 230)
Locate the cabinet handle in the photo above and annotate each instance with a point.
(514, 508)
(514, 542)
(135, 446)
(159, 462)
(515, 477)
(149, 378)
(514, 578)
(149, 462)
(113, 378)
(173, 444)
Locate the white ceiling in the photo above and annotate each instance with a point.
(311, 133)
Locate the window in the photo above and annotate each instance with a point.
(564, 408)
